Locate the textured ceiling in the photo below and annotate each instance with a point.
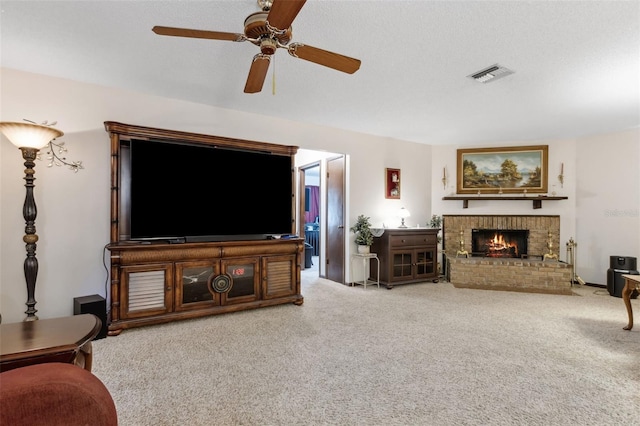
(576, 63)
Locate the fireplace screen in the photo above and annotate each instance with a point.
(499, 242)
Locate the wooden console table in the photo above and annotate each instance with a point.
(632, 282)
(66, 339)
(407, 255)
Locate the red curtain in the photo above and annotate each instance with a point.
(314, 204)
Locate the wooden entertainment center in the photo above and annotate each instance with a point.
(155, 282)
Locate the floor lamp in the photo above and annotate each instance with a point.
(29, 138)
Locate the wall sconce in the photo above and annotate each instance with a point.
(30, 137)
(561, 175)
(444, 178)
(404, 213)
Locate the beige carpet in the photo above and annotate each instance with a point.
(425, 354)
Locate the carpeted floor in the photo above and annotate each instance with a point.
(422, 354)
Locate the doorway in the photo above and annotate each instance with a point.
(310, 213)
(318, 210)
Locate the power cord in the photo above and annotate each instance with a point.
(106, 281)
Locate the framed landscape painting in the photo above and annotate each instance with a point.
(508, 170)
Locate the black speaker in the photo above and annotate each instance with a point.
(627, 263)
(615, 282)
(96, 305)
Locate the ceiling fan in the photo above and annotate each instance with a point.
(270, 29)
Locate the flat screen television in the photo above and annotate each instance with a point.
(194, 192)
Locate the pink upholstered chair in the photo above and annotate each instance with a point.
(54, 394)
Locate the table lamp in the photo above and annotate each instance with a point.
(404, 213)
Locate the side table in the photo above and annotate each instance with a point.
(365, 257)
(66, 339)
(632, 282)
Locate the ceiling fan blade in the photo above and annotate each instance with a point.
(283, 12)
(324, 57)
(257, 73)
(185, 32)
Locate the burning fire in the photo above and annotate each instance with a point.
(497, 246)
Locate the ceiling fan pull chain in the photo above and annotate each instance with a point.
(273, 78)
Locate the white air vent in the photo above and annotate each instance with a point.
(491, 73)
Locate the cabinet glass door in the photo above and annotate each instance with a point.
(401, 265)
(425, 265)
(244, 278)
(193, 290)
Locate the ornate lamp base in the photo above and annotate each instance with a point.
(30, 212)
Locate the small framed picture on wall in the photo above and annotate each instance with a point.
(392, 183)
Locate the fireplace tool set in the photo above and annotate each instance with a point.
(572, 248)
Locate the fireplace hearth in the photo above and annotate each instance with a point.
(499, 243)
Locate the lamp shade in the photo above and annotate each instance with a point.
(28, 135)
(404, 213)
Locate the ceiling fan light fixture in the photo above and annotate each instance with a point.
(265, 4)
(268, 46)
(256, 27)
(494, 72)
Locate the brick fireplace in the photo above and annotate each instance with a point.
(539, 227)
(493, 261)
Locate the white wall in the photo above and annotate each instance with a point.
(73, 209)
(608, 201)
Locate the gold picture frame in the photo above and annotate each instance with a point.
(508, 170)
(392, 184)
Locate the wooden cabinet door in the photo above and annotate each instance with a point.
(192, 285)
(245, 280)
(146, 290)
(424, 263)
(401, 265)
(334, 253)
(279, 276)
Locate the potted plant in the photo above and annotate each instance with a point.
(364, 237)
(436, 221)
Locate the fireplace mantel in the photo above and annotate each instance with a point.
(537, 201)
